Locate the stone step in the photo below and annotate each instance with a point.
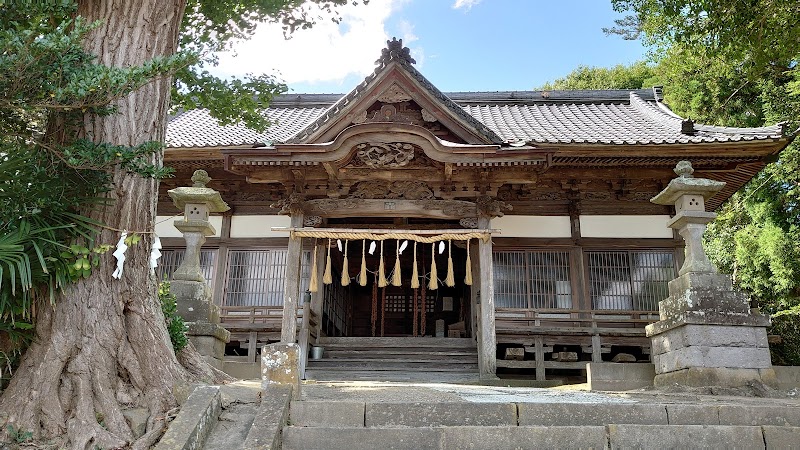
(393, 414)
(517, 437)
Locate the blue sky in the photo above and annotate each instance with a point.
(459, 45)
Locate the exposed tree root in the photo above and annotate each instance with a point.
(194, 363)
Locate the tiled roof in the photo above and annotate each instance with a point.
(197, 128)
(555, 117)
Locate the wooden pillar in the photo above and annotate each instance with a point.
(487, 341)
(221, 268)
(538, 343)
(291, 291)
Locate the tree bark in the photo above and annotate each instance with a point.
(103, 345)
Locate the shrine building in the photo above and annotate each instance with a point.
(513, 229)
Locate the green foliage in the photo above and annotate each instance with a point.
(48, 180)
(212, 26)
(175, 324)
(17, 435)
(51, 176)
(735, 63)
(786, 324)
(756, 36)
(635, 76)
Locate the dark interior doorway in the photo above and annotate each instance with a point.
(391, 311)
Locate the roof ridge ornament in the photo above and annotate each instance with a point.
(395, 51)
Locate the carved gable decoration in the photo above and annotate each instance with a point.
(397, 113)
(394, 94)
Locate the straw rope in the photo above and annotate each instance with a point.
(321, 233)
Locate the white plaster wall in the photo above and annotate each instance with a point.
(625, 226)
(165, 227)
(532, 226)
(258, 226)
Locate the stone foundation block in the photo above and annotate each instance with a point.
(579, 414)
(718, 357)
(782, 437)
(680, 436)
(280, 364)
(788, 376)
(194, 301)
(715, 376)
(700, 291)
(209, 339)
(208, 345)
(327, 414)
(619, 376)
(710, 336)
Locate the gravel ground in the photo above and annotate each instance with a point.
(372, 391)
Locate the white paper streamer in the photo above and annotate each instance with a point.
(155, 253)
(119, 253)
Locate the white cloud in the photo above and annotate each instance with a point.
(326, 52)
(466, 4)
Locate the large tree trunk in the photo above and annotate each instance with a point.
(103, 346)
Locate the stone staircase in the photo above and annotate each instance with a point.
(420, 359)
(327, 425)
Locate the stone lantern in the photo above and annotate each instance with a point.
(196, 202)
(707, 334)
(192, 294)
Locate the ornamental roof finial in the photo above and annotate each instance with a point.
(395, 50)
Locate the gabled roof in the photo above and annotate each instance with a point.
(396, 63)
(508, 118)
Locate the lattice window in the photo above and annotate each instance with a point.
(395, 303)
(629, 280)
(171, 258)
(532, 279)
(258, 277)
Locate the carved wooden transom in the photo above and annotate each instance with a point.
(406, 190)
(380, 155)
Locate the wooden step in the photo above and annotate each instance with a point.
(399, 354)
(389, 366)
(395, 359)
(393, 375)
(399, 342)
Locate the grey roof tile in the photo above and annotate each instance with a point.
(556, 117)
